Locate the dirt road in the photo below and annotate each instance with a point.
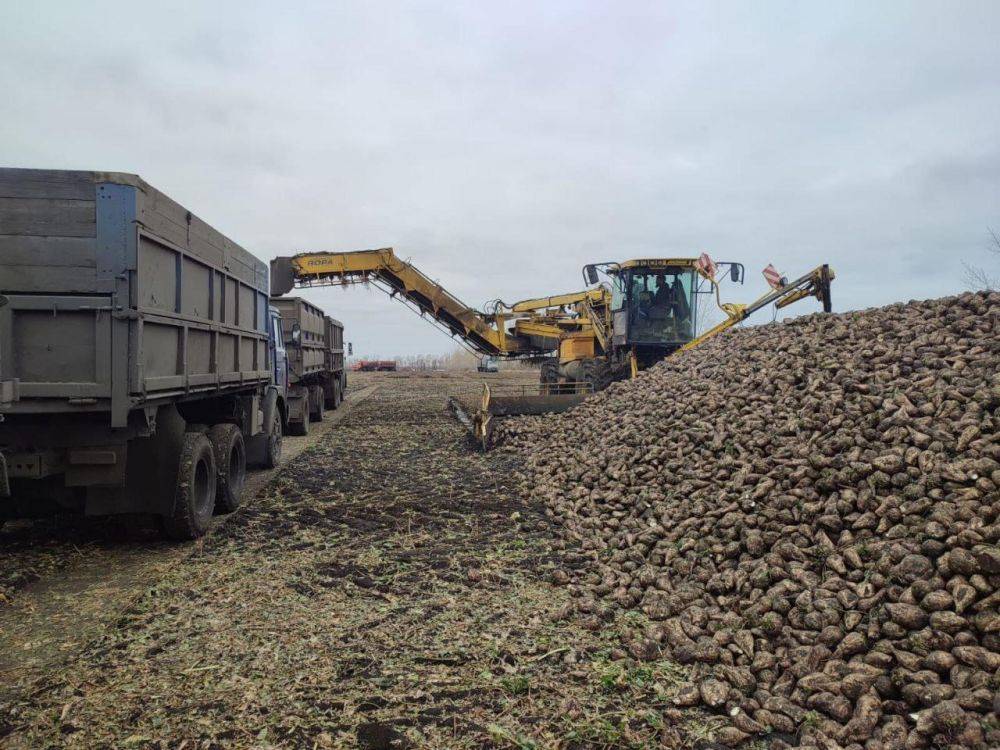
(67, 578)
(387, 589)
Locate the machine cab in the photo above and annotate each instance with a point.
(654, 303)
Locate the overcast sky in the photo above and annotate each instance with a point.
(502, 145)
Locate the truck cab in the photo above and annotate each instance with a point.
(276, 343)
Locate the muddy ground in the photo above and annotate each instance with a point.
(388, 588)
(67, 578)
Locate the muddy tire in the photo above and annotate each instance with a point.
(316, 403)
(597, 374)
(548, 376)
(299, 428)
(230, 466)
(338, 394)
(272, 450)
(194, 496)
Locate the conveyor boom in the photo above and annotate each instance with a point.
(483, 333)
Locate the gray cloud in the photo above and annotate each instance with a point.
(501, 146)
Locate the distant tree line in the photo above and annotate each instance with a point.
(459, 359)
(980, 278)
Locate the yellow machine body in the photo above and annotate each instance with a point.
(574, 346)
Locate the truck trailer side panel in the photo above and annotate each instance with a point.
(117, 296)
(335, 344)
(309, 355)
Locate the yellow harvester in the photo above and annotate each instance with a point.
(638, 313)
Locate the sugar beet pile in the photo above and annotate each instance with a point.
(808, 513)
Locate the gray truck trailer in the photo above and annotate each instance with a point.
(136, 353)
(314, 346)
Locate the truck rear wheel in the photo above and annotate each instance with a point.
(596, 374)
(194, 497)
(548, 377)
(316, 403)
(272, 453)
(300, 428)
(230, 466)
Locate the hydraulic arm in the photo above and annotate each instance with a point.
(816, 284)
(598, 295)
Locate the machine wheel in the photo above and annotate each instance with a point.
(597, 373)
(230, 466)
(316, 403)
(272, 453)
(335, 396)
(548, 375)
(330, 394)
(194, 497)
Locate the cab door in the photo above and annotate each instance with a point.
(280, 358)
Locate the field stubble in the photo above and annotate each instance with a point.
(389, 589)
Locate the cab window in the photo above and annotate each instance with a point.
(661, 306)
(278, 339)
(617, 291)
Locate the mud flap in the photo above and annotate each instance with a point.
(297, 405)
(151, 471)
(256, 445)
